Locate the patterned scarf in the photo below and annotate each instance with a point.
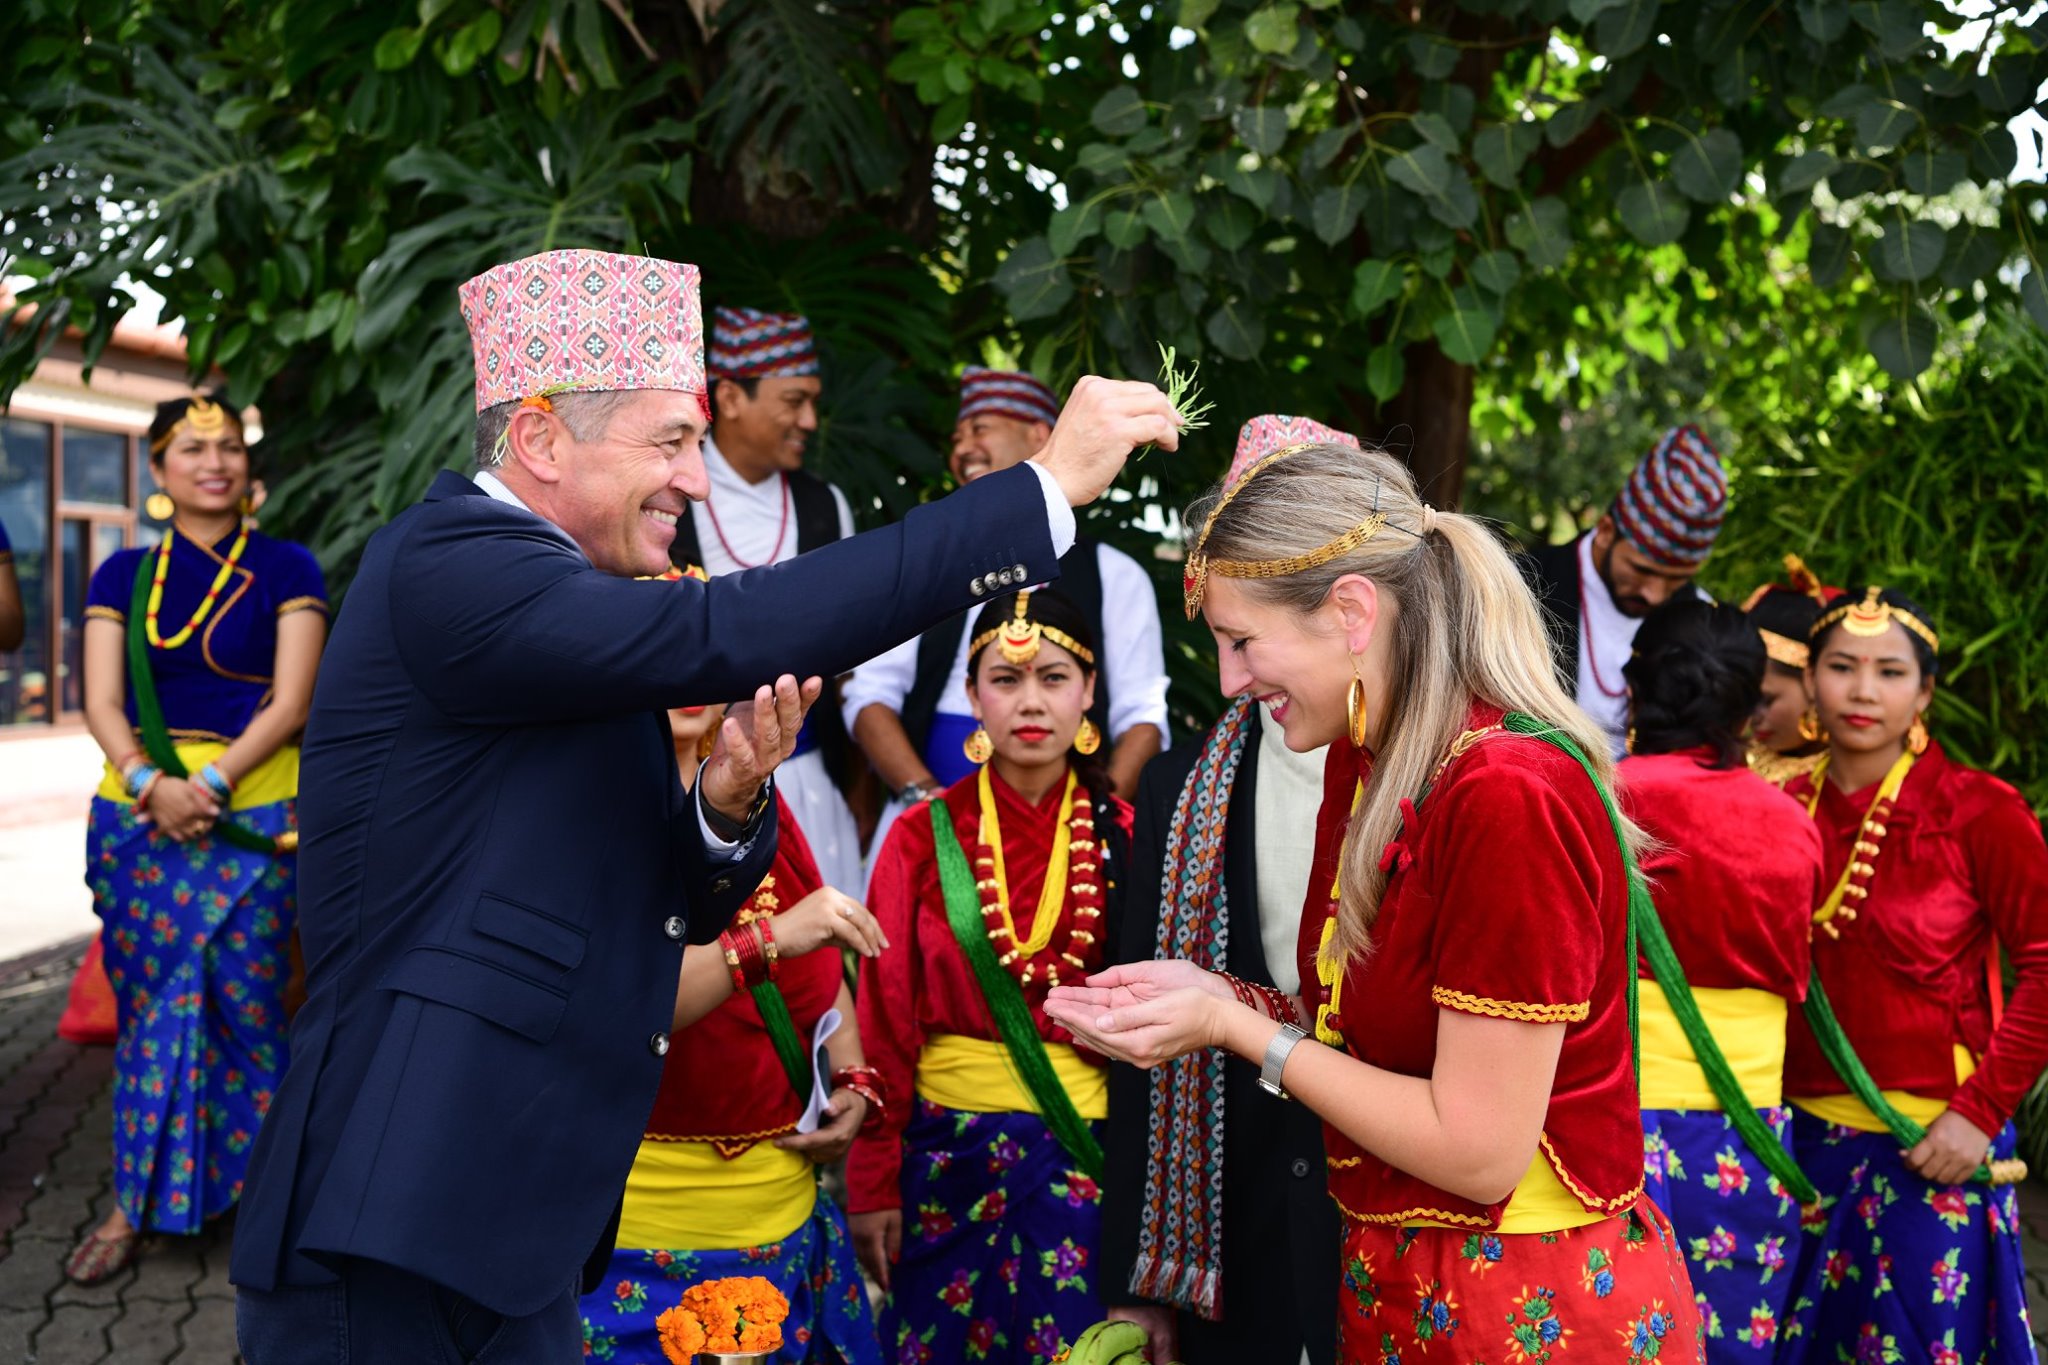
(1180, 1233)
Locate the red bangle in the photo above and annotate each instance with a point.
(768, 944)
(743, 958)
(862, 1076)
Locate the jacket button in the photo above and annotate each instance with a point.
(658, 1045)
(675, 926)
(1017, 572)
(976, 586)
(1300, 1168)
(720, 885)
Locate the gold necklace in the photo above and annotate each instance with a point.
(1854, 883)
(205, 608)
(1052, 893)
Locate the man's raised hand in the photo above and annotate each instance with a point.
(1103, 422)
(753, 741)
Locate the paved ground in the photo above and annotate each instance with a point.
(176, 1305)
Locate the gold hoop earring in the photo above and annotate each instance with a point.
(1917, 738)
(159, 507)
(1355, 708)
(1809, 725)
(1628, 742)
(1087, 739)
(978, 747)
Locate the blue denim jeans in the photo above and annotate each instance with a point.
(375, 1314)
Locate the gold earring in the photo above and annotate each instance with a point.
(1916, 738)
(978, 747)
(1628, 742)
(1355, 708)
(159, 507)
(1087, 739)
(1809, 725)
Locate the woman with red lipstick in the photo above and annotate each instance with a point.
(1467, 965)
(200, 655)
(1931, 867)
(975, 1203)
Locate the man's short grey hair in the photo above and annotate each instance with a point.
(587, 415)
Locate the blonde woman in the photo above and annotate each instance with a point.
(1478, 1097)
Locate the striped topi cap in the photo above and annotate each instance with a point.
(1005, 393)
(1672, 505)
(747, 343)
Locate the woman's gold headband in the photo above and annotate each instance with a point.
(204, 418)
(1784, 649)
(1194, 579)
(1018, 637)
(1873, 616)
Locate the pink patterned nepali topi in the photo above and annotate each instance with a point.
(584, 320)
(1262, 436)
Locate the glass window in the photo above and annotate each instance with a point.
(95, 466)
(25, 510)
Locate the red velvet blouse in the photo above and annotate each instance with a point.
(922, 984)
(1962, 859)
(1507, 899)
(1739, 867)
(722, 1082)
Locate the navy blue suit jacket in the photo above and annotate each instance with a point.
(499, 868)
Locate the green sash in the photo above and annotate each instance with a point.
(1005, 999)
(156, 735)
(789, 1045)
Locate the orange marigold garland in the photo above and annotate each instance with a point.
(1084, 890)
(733, 1315)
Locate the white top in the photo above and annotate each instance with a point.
(717, 847)
(1133, 660)
(1286, 797)
(752, 517)
(1606, 639)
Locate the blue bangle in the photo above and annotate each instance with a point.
(215, 781)
(138, 777)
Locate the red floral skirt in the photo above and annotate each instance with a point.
(1615, 1290)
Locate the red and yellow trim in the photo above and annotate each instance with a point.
(1523, 1011)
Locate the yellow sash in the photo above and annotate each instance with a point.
(273, 780)
(974, 1075)
(1748, 1024)
(684, 1195)
(1849, 1112)
(1540, 1203)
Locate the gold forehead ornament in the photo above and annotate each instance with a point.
(1873, 616)
(205, 419)
(1018, 638)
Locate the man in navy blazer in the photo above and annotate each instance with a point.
(498, 866)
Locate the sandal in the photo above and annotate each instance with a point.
(100, 1257)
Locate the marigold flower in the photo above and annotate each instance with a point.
(682, 1336)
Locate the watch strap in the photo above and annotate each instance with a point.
(1275, 1064)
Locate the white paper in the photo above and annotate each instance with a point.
(821, 1073)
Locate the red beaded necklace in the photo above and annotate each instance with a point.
(781, 529)
(1083, 888)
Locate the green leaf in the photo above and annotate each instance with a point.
(1071, 226)
(1972, 255)
(1257, 187)
(1883, 124)
(1119, 113)
(1033, 281)
(1622, 30)
(1170, 216)
(396, 49)
(471, 43)
(1465, 334)
(1102, 160)
(1455, 104)
(1586, 11)
(1827, 257)
(1994, 153)
(1563, 128)
(1653, 213)
(1806, 170)
(1500, 149)
(1825, 21)
(1708, 168)
(1845, 103)
(1933, 170)
(1904, 343)
(1424, 170)
(1542, 233)
(1123, 228)
(1374, 285)
(1334, 212)
(1195, 14)
(1437, 131)
(1431, 58)
(1236, 330)
(1497, 272)
(1385, 371)
(2034, 296)
(1274, 29)
(1262, 129)
(1230, 222)
(238, 113)
(2009, 84)
(1912, 250)
(430, 10)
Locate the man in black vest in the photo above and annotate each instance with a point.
(908, 708)
(765, 508)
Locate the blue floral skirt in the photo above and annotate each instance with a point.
(1001, 1234)
(1895, 1271)
(1739, 1229)
(195, 938)
(829, 1320)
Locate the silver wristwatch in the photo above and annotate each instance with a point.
(1276, 1060)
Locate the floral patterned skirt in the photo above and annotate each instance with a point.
(195, 938)
(829, 1321)
(1896, 1271)
(1001, 1236)
(1738, 1227)
(1615, 1290)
